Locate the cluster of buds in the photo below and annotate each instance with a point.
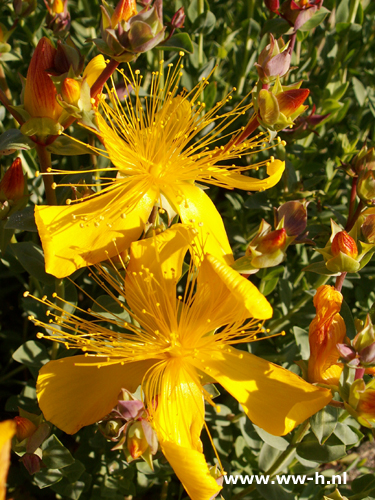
(58, 17)
(274, 60)
(51, 70)
(4, 36)
(13, 190)
(295, 12)
(361, 352)
(128, 425)
(125, 33)
(268, 247)
(31, 432)
(326, 331)
(278, 107)
(365, 168)
(345, 252)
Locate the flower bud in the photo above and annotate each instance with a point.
(347, 353)
(68, 58)
(298, 12)
(365, 336)
(124, 10)
(12, 185)
(367, 356)
(272, 5)
(136, 440)
(366, 187)
(40, 92)
(71, 90)
(110, 428)
(273, 61)
(32, 463)
(365, 159)
(343, 242)
(178, 18)
(25, 428)
(272, 241)
(368, 228)
(295, 217)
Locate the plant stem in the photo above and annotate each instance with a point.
(45, 164)
(357, 213)
(103, 77)
(353, 194)
(200, 37)
(11, 373)
(339, 281)
(283, 458)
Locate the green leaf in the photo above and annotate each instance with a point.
(46, 477)
(24, 220)
(310, 449)
(243, 265)
(302, 340)
(268, 456)
(31, 257)
(66, 146)
(32, 354)
(347, 316)
(315, 20)
(74, 471)
(204, 23)
(274, 492)
(277, 442)
(342, 12)
(268, 286)
(14, 139)
(276, 26)
(346, 434)
(364, 485)
(5, 236)
(324, 423)
(180, 41)
(319, 268)
(359, 91)
(108, 307)
(55, 455)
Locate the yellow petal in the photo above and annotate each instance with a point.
(191, 468)
(94, 69)
(7, 431)
(273, 398)
(196, 209)
(83, 234)
(236, 291)
(72, 393)
(275, 170)
(178, 421)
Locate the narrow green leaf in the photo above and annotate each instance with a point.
(324, 423)
(14, 139)
(315, 20)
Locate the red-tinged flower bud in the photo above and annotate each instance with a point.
(368, 228)
(178, 19)
(12, 185)
(272, 241)
(124, 10)
(71, 90)
(31, 462)
(290, 100)
(344, 243)
(40, 92)
(295, 217)
(347, 353)
(272, 5)
(136, 442)
(25, 428)
(367, 355)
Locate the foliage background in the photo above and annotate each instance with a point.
(336, 60)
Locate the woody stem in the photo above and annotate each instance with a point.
(340, 281)
(103, 77)
(45, 164)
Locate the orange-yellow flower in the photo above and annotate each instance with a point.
(7, 431)
(160, 147)
(326, 330)
(181, 343)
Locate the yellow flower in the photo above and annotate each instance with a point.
(7, 431)
(180, 344)
(151, 143)
(327, 330)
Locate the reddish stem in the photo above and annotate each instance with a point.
(357, 213)
(359, 373)
(340, 281)
(249, 129)
(103, 77)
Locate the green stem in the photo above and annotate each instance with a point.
(103, 77)
(45, 164)
(161, 68)
(354, 4)
(60, 291)
(10, 374)
(200, 38)
(283, 458)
